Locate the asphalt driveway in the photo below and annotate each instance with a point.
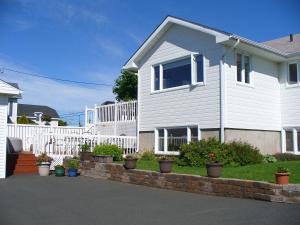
(34, 200)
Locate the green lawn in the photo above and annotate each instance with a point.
(259, 172)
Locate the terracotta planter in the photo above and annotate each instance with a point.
(214, 169)
(130, 163)
(85, 156)
(165, 166)
(282, 178)
(103, 158)
(44, 169)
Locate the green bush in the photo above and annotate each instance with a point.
(234, 153)
(269, 159)
(73, 163)
(244, 153)
(286, 157)
(23, 120)
(148, 155)
(108, 149)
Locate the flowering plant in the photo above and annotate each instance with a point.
(212, 157)
(44, 158)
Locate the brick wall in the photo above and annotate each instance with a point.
(195, 184)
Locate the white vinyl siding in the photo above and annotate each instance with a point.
(253, 107)
(180, 106)
(3, 130)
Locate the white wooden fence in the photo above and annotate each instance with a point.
(60, 142)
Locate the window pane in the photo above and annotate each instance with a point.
(161, 140)
(239, 67)
(194, 134)
(177, 73)
(156, 78)
(176, 137)
(247, 69)
(293, 73)
(200, 68)
(289, 141)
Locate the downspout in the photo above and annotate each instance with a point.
(223, 89)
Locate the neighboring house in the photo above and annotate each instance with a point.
(7, 91)
(35, 113)
(197, 82)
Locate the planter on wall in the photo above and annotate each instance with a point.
(165, 166)
(44, 169)
(130, 163)
(214, 169)
(85, 156)
(282, 178)
(103, 158)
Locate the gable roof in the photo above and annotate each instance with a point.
(29, 110)
(284, 44)
(221, 37)
(8, 89)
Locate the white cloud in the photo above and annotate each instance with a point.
(64, 97)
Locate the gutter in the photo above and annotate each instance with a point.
(222, 91)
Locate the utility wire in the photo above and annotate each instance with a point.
(53, 78)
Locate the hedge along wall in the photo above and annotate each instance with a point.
(195, 184)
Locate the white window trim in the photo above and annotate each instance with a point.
(243, 83)
(193, 74)
(166, 152)
(295, 132)
(288, 74)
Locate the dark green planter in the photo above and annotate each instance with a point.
(59, 171)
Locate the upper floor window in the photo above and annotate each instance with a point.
(243, 67)
(184, 71)
(293, 73)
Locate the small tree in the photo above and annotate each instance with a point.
(62, 123)
(23, 120)
(47, 119)
(126, 86)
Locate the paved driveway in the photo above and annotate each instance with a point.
(34, 200)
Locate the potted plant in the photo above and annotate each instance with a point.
(130, 161)
(44, 161)
(213, 167)
(165, 164)
(282, 175)
(73, 165)
(106, 153)
(59, 170)
(85, 154)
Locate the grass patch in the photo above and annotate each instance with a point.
(258, 172)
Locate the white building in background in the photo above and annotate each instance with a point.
(197, 82)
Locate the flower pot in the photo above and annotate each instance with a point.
(214, 169)
(130, 163)
(59, 171)
(44, 169)
(85, 156)
(103, 158)
(165, 166)
(72, 172)
(282, 178)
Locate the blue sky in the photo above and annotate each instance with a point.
(90, 40)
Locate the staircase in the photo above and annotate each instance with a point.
(21, 163)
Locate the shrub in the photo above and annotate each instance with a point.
(85, 147)
(73, 163)
(269, 159)
(23, 120)
(244, 153)
(108, 149)
(148, 155)
(286, 157)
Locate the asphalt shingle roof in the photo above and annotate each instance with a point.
(29, 110)
(284, 44)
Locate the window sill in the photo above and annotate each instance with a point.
(287, 85)
(166, 153)
(178, 88)
(244, 84)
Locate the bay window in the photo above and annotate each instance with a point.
(168, 140)
(243, 67)
(185, 71)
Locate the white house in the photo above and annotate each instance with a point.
(197, 82)
(6, 91)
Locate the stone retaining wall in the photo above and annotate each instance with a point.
(195, 184)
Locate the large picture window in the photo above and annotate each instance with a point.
(185, 71)
(168, 140)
